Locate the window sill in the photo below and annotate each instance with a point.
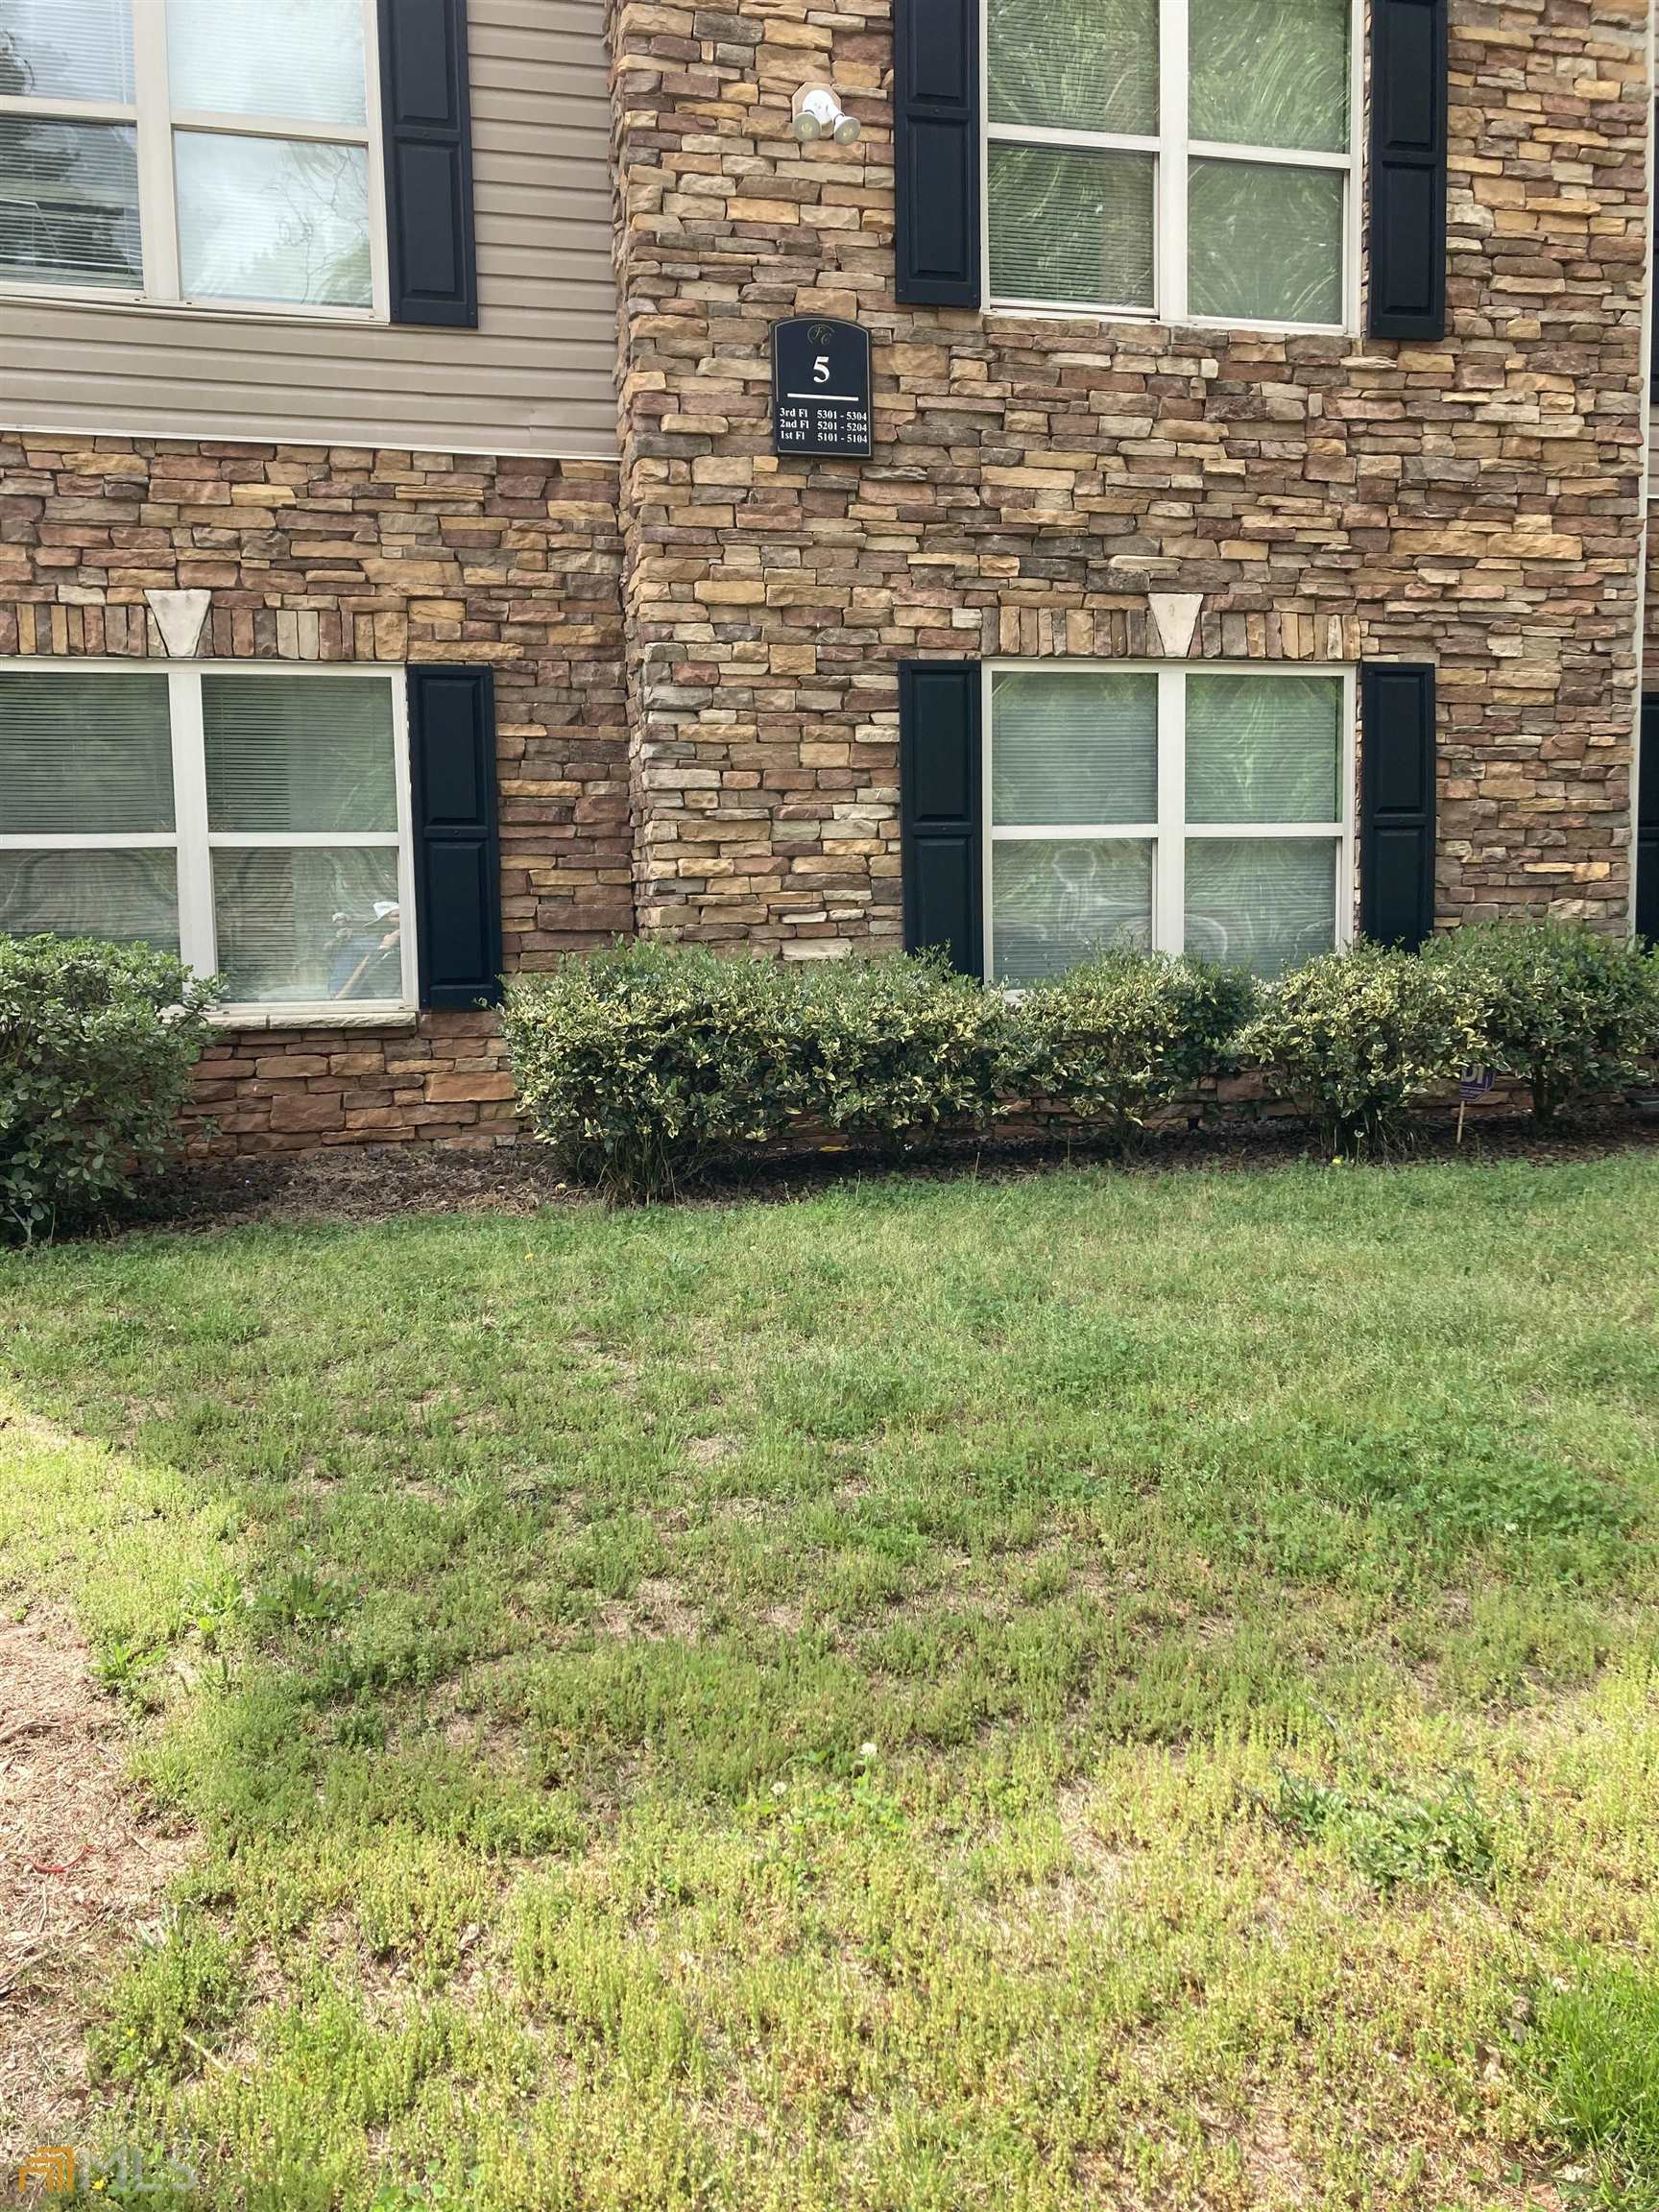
(193, 310)
(325, 1016)
(1147, 319)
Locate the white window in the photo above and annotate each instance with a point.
(1202, 809)
(206, 152)
(254, 820)
(1189, 161)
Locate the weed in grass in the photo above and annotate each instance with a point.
(1392, 1836)
(1459, 1480)
(1592, 2057)
(128, 1671)
(297, 1598)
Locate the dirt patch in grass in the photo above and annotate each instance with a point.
(82, 1869)
(376, 1181)
(658, 1610)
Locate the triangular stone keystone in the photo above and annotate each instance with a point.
(178, 616)
(1176, 616)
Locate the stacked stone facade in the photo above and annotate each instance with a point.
(316, 555)
(1477, 503)
(438, 1077)
(696, 655)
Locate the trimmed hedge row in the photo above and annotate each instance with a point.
(646, 1063)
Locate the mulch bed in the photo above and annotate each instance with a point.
(377, 1182)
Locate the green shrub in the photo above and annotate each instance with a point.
(1565, 1008)
(1355, 1037)
(892, 1050)
(97, 1042)
(1109, 1041)
(644, 1064)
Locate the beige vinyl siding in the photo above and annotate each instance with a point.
(537, 375)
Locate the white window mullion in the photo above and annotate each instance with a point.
(1268, 156)
(67, 110)
(380, 275)
(1353, 210)
(406, 922)
(198, 940)
(1232, 832)
(986, 822)
(88, 841)
(1169, 855)
(289, 129)
(1074, 832)
(302, 840)
(1347, 905)
(157, 218)
(1172, 123)
(1098, 141)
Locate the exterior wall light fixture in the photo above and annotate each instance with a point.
(818, 113)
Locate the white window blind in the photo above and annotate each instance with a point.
(85, 754)
(313, 761)
(1056, 902)
(314, 756)
(255, 822)
(68, 202)
(66, 49)
(301, 59)
(211, 151)
(128, 896)
(1192, 809)
(1192, 159)
(1076, 747)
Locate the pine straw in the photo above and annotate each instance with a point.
(82, 1868)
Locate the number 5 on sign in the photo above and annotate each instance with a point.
(820, 387)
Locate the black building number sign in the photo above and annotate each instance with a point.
(820, 387)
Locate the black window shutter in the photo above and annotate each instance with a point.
(1406, 225)
(941, 810)
(1647, 825)
(427, 124)
(1397, 804)
(457, 850)
(936, 151)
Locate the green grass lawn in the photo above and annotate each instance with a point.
(1137, 1691)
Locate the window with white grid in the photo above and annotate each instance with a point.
(204, 153)
(1204, 810)
(254, 820)
(1191, 160)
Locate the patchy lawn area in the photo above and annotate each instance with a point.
(1091, 1690)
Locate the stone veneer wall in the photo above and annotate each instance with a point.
(1475, 502)
(316, 555)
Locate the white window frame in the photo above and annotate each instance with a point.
(150, 113)
(195, 844)
(1169, 831)
(1173, 150)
